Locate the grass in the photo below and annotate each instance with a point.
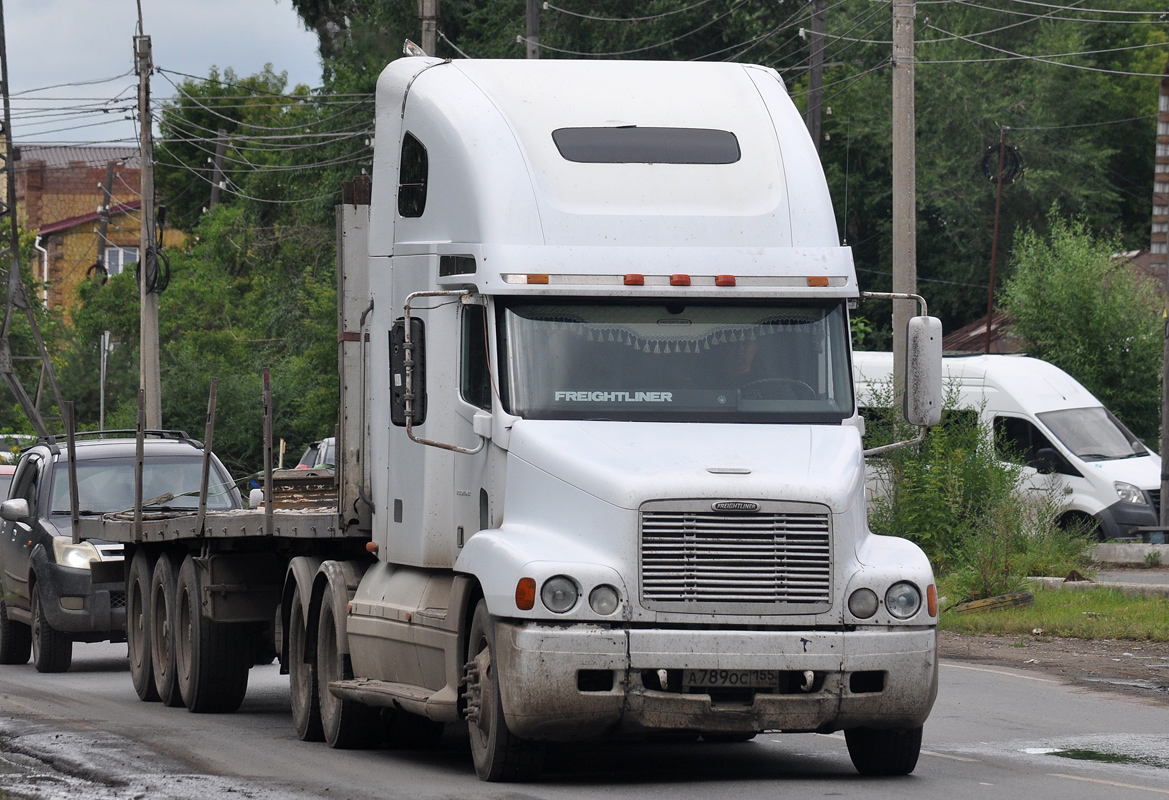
(1075, 613)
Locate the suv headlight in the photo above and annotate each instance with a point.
(1130, 494)
(77, 556)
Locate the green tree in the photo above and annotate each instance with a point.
(1091, 314)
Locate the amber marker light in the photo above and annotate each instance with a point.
(371, 547)
(544, 279)
(679, 280)
(525, 594)
(817, 280)
(633, 279)
(931, 600)
(724, 280)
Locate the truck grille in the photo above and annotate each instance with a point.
(698, 560)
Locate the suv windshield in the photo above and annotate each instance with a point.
(1093, 434)
(107, 484)
(716, 361)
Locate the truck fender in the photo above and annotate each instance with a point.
(299, 578)
(341, 578)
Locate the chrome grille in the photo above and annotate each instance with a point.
(696, 559)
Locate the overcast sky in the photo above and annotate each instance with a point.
(54, 42)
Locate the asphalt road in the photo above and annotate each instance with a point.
(994, 733)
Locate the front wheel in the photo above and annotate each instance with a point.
(52, 650)
(883, 752)
(498, 754)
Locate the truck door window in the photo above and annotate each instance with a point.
(695, 361)
(1018, 440)
(412, 173)
(475, 382)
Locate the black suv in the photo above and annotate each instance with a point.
(54, 592)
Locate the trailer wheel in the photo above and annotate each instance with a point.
(15, 638)
(163, 589)
(347, 724)
(498, 754)
(883, 752)
(52, 650)
(302, 678)
(138, 626)
(211, 658)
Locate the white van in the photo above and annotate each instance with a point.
(1062, 431)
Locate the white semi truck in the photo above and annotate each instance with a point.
(599, 432)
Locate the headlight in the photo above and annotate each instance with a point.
(903, 600)
(604, 600)
(74, 555)
(559, 593)
(863, 603)
(1130, 494)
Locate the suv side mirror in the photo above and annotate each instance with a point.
(923, 371)
(398, 371)
(15, 509)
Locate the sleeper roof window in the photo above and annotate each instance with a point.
(633, 145)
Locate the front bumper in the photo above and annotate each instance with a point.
(1120, 520)
(552, 680)
(102, 614)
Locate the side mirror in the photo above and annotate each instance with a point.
(398, 371)
(15, 509)
(1047, 461)
(923, 372)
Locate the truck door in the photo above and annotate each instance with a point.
(473, 484)
(17, 537)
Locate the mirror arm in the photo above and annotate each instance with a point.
(899, 296)
(885, 448)
(408, 347)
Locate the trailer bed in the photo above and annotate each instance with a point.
(287, 523)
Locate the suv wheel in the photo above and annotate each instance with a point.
(52, 650)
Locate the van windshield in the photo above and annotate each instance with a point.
(1093, 434)
(695, 361)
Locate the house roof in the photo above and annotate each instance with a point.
(58, 155)
(115, 208)
(972, 337)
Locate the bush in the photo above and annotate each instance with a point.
(954, 498)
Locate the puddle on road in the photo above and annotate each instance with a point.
(1139, 751)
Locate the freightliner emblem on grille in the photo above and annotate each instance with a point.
(734, 505)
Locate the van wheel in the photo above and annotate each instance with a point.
(347, 724)
(138, 626)
(15, 639)
(163, 590)
(52, 650)
(211, 658)
(498, 754)
(1077, 522)
(883, 752)
(302, 678)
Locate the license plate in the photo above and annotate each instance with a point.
(726, 678)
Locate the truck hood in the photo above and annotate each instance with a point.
(627, 463)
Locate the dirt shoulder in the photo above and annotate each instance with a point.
(1133, 668)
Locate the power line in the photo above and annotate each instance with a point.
(1050, 15)
(75, 83)
(550, 7)
(705, 25)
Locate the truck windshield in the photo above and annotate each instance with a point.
(107, 484)
(715, 361)
(1093, 434)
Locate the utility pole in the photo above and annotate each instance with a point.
(148, 367)
(904, 185)
(429, 12)
(103, 228)
(994, 242)
(815, 72)
(533, 38)
(1159, 247)
(217, 167)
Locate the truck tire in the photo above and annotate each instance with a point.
(302, 678)
(15, 638)
(883, 752)
(347, 724)
(138, 625)
(498, 754)
(163, 591)
(211, 658)
(52, 650)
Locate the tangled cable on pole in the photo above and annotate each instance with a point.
(156, 279)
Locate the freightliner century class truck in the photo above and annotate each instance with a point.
(598, 438)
